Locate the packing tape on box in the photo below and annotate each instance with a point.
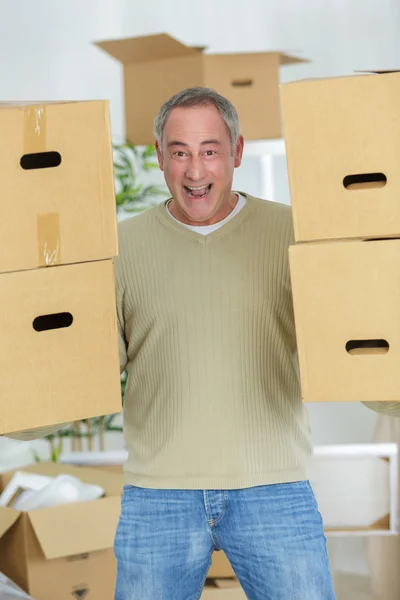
(48, 224)
(35, 129)
(48, 235)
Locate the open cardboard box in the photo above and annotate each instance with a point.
(65, 551)
(342, 137)
(157, 66)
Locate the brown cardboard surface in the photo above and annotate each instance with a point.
(147, 48)
(64, 214)
(210, 593)
(220, 566)
(8, 516)
(335, 128)
(223, 589)
(89, 576)
(345, 291)
(59, 375)
(159, 66)
(157, 80)
(12, 544)
(72, 529)
(251, 82)
(64, 551)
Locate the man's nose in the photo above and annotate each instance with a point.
(195, 169)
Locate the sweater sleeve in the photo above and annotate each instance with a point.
(120, 294)
(391, 409)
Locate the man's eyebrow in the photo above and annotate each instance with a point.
(210, 142)
(205, 143)
(176, 143)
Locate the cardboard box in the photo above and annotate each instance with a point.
(220, 566)
(158, 66)
(346, 299)
(223, 589)
(58, 212)
(59, 346)
(63, 552)
(343, 145)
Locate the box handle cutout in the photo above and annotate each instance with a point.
(367, 347)
(40, 160)
(364, 181)
(53, 321)
(242, 82)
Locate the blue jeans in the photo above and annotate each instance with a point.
(272, 535)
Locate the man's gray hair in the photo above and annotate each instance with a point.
(199, 96)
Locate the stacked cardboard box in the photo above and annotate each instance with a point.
(157, 66)
(343, 149)
(58, 343)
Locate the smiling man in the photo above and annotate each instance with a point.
(217, 433)
(214, 423)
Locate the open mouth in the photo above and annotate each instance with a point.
(197, 192)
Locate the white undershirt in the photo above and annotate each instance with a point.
(206, 229)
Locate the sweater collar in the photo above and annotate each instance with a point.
(163, 216)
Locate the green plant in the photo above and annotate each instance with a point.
(134, 193)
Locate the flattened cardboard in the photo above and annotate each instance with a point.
(157, 66)
(335, 128)
(344, 292)
(58, 375)
(61, 214)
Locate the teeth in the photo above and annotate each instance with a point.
(203, 187)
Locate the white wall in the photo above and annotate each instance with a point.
(47, 52)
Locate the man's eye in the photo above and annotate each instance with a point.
(180, 154)
(210, 152)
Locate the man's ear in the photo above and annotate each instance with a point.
(239, 151)
(159, 156)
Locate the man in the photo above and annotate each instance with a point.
(216, 429)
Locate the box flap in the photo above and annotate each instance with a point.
(288, 59)
(380, 72)
(112, 483)
(8, 516)
(146, 48)
(73, 529)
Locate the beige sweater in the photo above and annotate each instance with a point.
(207, 336)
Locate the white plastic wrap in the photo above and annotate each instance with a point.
(10, 591)
(39, 491)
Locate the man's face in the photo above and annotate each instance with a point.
(198, 163)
